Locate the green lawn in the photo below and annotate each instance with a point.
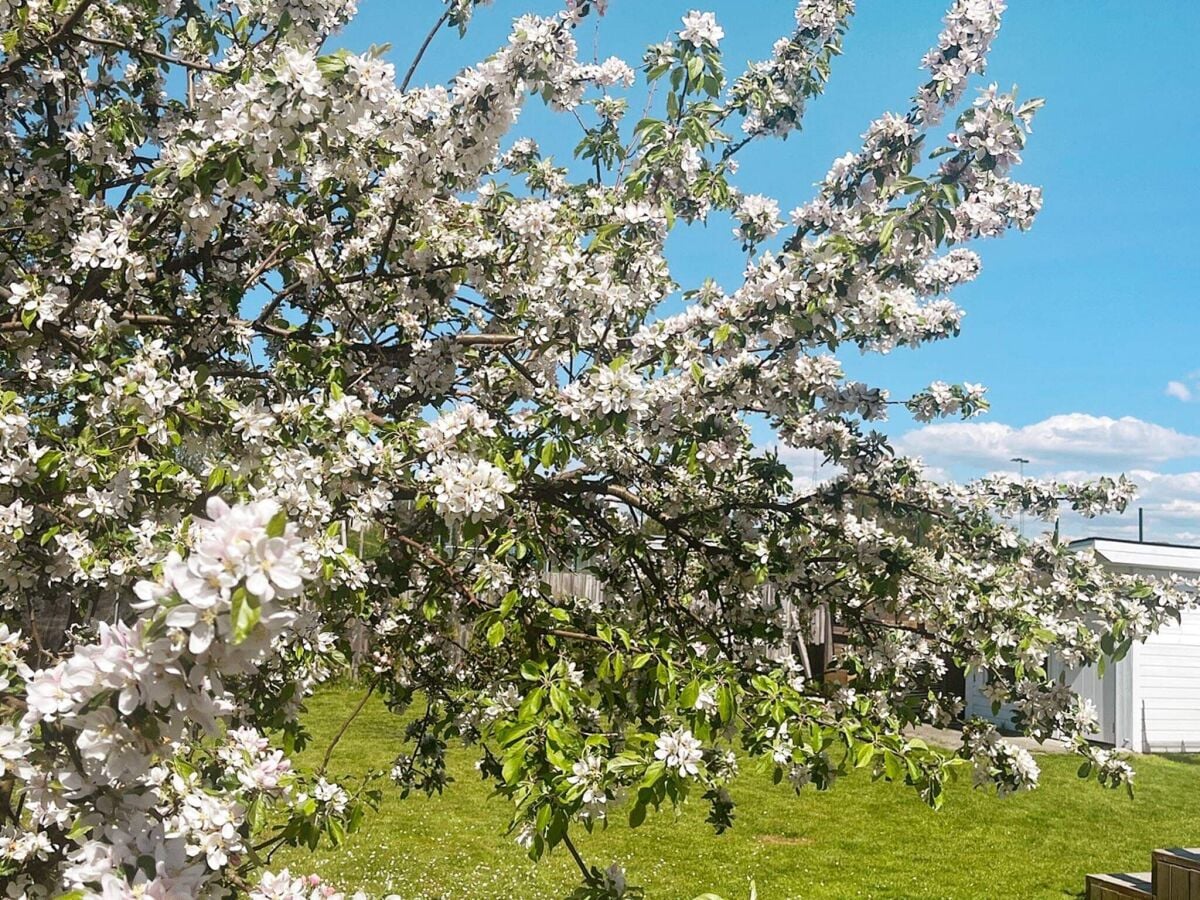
(859, 840)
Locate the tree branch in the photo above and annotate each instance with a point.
(345, 726)
(153, 54)
(15, 63)
(421, 50)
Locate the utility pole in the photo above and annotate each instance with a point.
(1021, 461)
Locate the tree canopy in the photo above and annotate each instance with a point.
(310, 369)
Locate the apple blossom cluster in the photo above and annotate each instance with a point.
(772, 95)
(318, 16)
(961, 51)
(701, 29)
(119, 724)
(587, 776)
(1001, 763)
(941, 399)
(471, 489)
(758, 217)
(679, 750)
(479, 443)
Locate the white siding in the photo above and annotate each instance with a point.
(1102, 691)
(1105, 694)
(1168, 682)
(1149, 701)
(1131, 556)
(979, 705)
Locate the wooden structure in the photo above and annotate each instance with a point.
(1123, 886)
(1175, 875)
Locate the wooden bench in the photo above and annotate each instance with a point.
(1120, 886)
(1176, 874)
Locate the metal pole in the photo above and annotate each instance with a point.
(1141, 524)
(1020, 461)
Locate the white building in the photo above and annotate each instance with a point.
(1148, 702)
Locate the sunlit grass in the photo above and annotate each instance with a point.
(859, 840)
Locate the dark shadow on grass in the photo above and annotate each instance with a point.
(1189, 759)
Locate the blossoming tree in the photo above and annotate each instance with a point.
(303, 363)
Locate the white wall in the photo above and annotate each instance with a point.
(1149, 701)
(1109, 694)
(1167, 688)
(979, 705)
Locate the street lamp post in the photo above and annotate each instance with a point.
(1021, 461)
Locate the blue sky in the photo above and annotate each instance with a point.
(1077, 327)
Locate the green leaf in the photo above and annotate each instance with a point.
(513, 767)
(725, 703)
(532, 704)
(532, 671)
(655, 771)
(691, 693)
(233, 170)
(557, 830)
(509, 601)
(863, 754)
(278, 524)
(245, 613)
(672, 105)
(336, 831)
(560, 700)
(893, 767)
(495, 634)
(637, 815)
(885, 234)
(49, 461)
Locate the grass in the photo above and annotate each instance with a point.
(861, 839)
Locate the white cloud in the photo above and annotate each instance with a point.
(1179, 391)
(808, 467)
(1079, 447)
(1059, 440)
(1186, 388)
(1070, 447)
(1171, 502)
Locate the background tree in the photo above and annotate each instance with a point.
(297, 354)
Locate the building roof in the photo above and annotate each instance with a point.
(1143, 554)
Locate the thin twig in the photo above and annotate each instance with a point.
(587, 875)
(421, 51)
(153, 54)
(345, 725)
(15, 63)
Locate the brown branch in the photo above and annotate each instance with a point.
(153, 54)
(570, 635)
(587, 875)
(421, 50)
(451, 572)
(345, 726)
(15, 63)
